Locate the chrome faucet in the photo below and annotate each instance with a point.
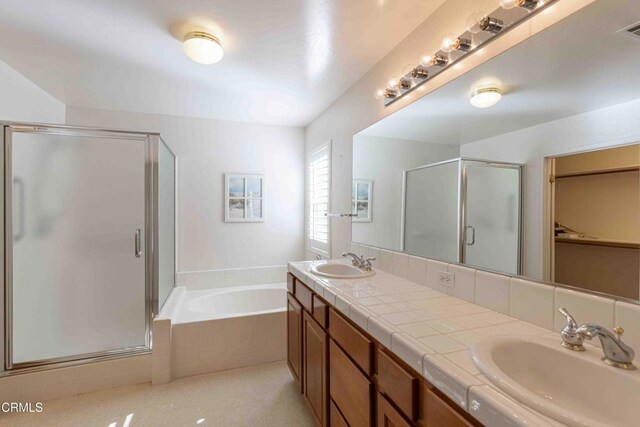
(616, 353)
(359, 261)
(571, 339)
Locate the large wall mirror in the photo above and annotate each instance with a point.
(543, 184)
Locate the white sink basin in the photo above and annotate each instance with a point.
(340, 271)
(576, 389)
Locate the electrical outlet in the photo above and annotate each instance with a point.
(446, 279)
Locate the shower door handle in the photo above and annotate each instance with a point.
(473, 235)
(137, 244)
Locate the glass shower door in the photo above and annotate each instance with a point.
(76, 265)
(492, 216)
(431, 222)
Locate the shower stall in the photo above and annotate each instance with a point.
(89, 242)
(465, 211)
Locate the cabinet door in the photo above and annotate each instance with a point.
(315, 368)
(294, 338)
(388, 416)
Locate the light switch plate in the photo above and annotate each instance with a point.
(446, 279)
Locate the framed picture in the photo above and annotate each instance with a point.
(244, 198)
(361, 200)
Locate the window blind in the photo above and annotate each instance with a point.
(319, 170)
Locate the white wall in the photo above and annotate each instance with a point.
(383, 160)
(21, 100)
(606, 127)
(357, 109)
(206, 150)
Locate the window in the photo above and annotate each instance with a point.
(244, 198)
(361, 200)
(319, 170)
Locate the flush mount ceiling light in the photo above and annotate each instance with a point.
(485, 97)
(202, 47)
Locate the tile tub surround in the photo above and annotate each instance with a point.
(430, 330)
(522, 299)
(221, 344)
(192, 348)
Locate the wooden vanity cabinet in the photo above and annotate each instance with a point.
(348, 379)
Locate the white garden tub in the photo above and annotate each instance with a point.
(216, 329)
(236, 301)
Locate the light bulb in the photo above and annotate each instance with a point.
(393, 83)
(525, 4)
(429, 60)
(449, 43)
(379, 94)
(509, 4)
(426, 60)
(474, 22)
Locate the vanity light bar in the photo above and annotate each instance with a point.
(485, 28)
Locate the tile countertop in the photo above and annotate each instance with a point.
(432, 332)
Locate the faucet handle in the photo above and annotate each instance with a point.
(571, 338)
(571, 322)
(619, 331)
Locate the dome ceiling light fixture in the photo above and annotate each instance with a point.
(485, 97)
(203, 48)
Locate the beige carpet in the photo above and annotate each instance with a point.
(256, 396)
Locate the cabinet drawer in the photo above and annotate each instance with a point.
(398, 385)
(320, 311)
(304, 295)
(335, 417)
(438, 413)
(351, 391)
(388, 416)
(357, 345)
(291, 283)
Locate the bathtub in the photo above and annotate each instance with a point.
(211, 330)
(236, 301)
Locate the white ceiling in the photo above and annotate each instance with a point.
(580, 64)
(285, 60)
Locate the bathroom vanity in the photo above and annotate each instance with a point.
(348, 378)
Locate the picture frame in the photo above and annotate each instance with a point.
(244, 199)
(362, 200)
